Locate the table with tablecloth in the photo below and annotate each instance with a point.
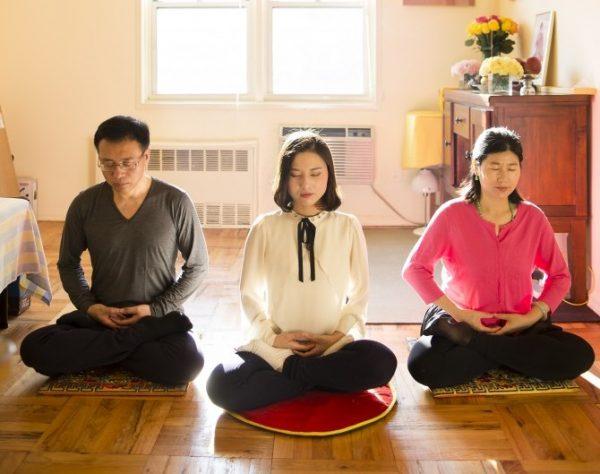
(21, 254)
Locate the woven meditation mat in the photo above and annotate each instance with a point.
(506, 382)
(105, 382)
(503, 382)
(320, 413)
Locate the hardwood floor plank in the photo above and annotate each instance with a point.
(552, 431)
(75, 463)
(449, 432)
(322, 466)
(210, 465)
(106, 425)
(11, 460)
(23, 421)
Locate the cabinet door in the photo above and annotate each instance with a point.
(447, 134)
(448, 182)
(480, 119)
(461, 143)
(554, 138)
(472, 122)
(461, 162)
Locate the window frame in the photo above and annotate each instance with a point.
(150, 68)
(259, 54)
(369, 49)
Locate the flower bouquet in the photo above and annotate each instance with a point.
(498, 71)
(466, 70)
(491, 35)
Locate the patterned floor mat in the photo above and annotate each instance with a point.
(107, 381)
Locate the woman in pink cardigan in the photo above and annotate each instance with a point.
(484, 315)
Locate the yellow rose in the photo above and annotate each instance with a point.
(477, 29)
(514, 28)
(485, 29)
(506, 25)
(493, 25)
(518, 70)
(472, 29)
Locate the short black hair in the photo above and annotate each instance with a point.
(123, 127)
(491, 140)
(299, 142)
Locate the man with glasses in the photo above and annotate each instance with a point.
(133, 227)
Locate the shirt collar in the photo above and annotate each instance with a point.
(314, 219)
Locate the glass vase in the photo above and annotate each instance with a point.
(470, 79)
(499, 84)
(527, 87)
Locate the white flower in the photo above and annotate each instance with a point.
(501, 65)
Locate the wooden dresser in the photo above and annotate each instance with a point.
(555, 132)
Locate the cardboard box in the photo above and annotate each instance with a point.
(8, 179)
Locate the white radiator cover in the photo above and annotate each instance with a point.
(219, 177)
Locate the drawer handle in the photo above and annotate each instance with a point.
(459, 120)
(447, 143)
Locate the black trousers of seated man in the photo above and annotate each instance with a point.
(160, 350)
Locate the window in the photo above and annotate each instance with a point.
(258, 50)
(201, 51)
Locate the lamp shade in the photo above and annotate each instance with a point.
(424, 182)
(423, 139)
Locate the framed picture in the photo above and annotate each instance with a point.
(540, 43)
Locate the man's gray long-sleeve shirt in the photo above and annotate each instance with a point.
(133, 260)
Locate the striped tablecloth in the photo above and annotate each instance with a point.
(21, 250)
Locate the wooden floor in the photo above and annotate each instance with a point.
(511, 434)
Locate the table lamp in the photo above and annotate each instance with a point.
(423, 150)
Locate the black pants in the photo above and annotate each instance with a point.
(77, 342)
(543, 351)
(248, 382)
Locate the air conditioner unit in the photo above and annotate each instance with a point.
(353, 151)
(219, 177)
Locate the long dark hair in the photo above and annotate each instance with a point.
(492, 140)
(299, 142)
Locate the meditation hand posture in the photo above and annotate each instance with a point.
(490, 241)
(133, 227)
(303, 289)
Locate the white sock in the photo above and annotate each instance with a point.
(274, 356)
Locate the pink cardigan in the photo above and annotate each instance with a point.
(484, 271)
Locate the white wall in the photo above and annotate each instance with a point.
(573, 59)
(66, 65)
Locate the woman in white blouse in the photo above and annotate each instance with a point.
(304, 290)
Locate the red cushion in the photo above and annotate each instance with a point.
(318, 413)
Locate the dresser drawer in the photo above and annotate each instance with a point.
(460, 120)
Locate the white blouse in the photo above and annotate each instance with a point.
(275, 300)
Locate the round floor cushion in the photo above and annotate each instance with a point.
(319, 413)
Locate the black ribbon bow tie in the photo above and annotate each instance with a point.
(306, 236)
